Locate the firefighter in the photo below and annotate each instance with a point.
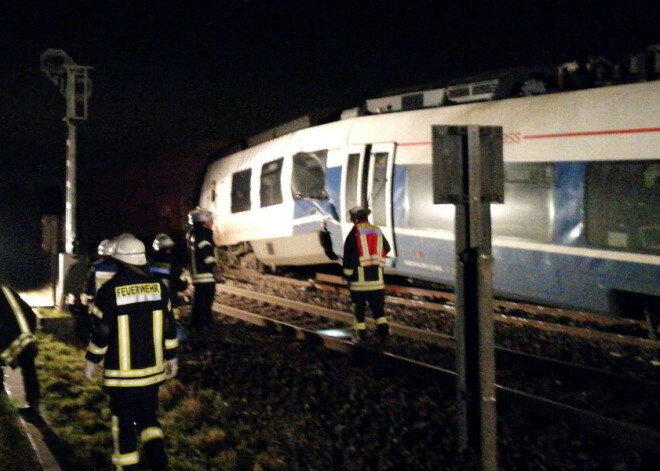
(135, 337)
(74, 281)
(164, 266)
(365, 250)
(201, 253)
(99, 272)
(18, 345)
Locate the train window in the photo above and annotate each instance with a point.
(271, 185)
(526, 213)
(352, 172)
(420, 211)
(378, 193)
(622, 208)
(240, 191)
(308, 179)
(528, 209)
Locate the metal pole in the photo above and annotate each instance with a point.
(70, 202)
(72, 82)
(468, 172)
(474, 324)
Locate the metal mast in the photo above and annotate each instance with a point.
(73, 82)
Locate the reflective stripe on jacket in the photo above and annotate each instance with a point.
(202, 254)
(136, 332)
(17, 325)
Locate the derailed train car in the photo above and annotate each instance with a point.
(579, 227)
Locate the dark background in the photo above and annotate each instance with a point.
(175, 80)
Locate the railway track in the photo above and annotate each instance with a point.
(509, 309)
(619, 404)
(618, 345)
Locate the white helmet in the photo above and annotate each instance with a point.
(162, 241)
(112, 244)
(103, 247)
(199, 215)
(111, 247)
(130, 250)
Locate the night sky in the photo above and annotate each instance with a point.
(175, 72)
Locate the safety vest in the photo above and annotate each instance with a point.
(371, 250)
(365, 250)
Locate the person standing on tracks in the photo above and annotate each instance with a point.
(203, 267)
(135, 337)
(365, 250)
(18, 345)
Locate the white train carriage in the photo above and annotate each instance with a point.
(580, 225)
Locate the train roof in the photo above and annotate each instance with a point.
(583, 73)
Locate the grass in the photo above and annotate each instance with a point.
(78, 414)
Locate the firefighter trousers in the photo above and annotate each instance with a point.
(202, 304)
(376, 301)
(134, 411)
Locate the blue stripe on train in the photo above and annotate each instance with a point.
(578, 282)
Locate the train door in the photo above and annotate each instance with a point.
(367, 181)
(379, 189)
(352, 190)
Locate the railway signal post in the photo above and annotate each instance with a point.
(468, 172)
(73, 82)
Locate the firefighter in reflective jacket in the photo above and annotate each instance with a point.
(365, 250)
(201, 252)
(163, 264)
(99, 272)
(135, 337)
(18, 345)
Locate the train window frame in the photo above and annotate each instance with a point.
(270, 183)
(352, 171)
(628, 221)
(240, 191)
(308, 175)
(379, 193)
